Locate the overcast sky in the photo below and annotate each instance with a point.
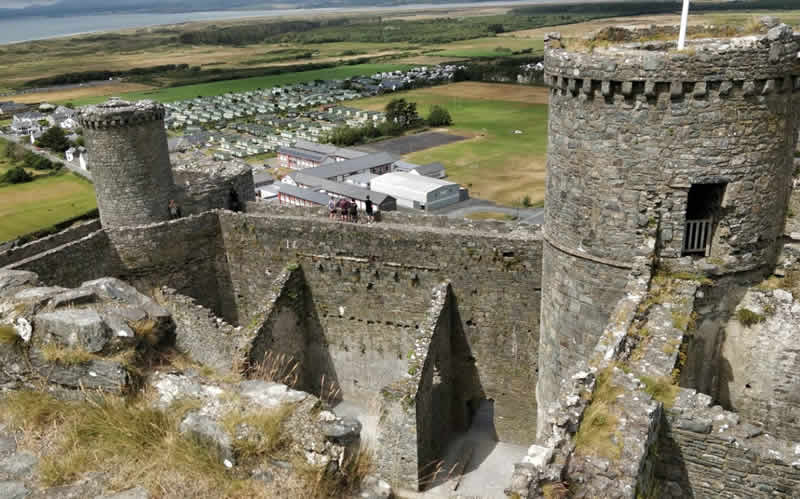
(14, 4)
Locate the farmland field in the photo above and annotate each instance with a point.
(39, 204)
(504, 158)
(245, 84)
(490, 47)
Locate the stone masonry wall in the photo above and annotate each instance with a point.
(69, 265)
(186, 254)
(578, 298)
(631, 129)
(43, 244)
(130, 162)
(211, 193)
(704, 451)
(371, 285)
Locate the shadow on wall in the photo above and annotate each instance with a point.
(290, 346)
(671, 474)
(449, 396)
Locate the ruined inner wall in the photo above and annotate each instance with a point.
(186, 255)
(630, 131)
(371, 288)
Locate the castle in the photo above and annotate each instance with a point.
(669, 178)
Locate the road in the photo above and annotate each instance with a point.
(532, 216)
(72, 166)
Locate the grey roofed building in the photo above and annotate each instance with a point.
(309, 195)
(384, 202)
(434, 170)
(262, 178)
(363, 164)
(329, 150)
(302, 153)
(361, 179)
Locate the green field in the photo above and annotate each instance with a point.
(46, 201)
(490, 47)
(495, 163)
(245, 84)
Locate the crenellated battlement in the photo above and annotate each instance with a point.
(744, 66)
(117, 113)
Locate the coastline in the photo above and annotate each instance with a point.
(132, 21)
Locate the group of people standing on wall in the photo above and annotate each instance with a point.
(346, 210)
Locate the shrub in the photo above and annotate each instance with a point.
(526, 201)
(439, 116)
(16, 175)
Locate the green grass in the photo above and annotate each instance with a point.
(490, 47)
(26, 208)
(495, 164)
(245, 84)
(490, 215)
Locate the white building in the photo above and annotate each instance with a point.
(417, 191)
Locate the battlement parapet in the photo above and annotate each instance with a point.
(748, 66)
(119, 113)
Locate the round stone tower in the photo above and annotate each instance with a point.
(695, 146)
(130, 166)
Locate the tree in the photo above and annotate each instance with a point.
(16, 175)
(402, 113)
(36, 162)
(54, 139)
(439, 116)
(496, 28)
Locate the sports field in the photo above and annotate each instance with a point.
(504, 158)
(245, 84)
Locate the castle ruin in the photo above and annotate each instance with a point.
(669, 179)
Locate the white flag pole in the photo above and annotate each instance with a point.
(684, 22)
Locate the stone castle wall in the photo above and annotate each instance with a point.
(130, 162)
(186, 254)
(371, 286)
(631, 129)
(704, 451)
(47, 243)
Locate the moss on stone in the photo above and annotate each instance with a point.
(661, 388)
(747, 317)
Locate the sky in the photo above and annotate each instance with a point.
(18, 4)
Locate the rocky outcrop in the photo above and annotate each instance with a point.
(92, 337)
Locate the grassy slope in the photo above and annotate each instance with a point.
(39, 204)
(495, 163)
(245, 84)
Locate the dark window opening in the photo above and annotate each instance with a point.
(702, 211)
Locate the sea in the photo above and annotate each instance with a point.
(22, 29)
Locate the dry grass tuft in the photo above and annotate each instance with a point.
(277, 367)
(266, 429)
(66, 356)
(597, 433)
(8, 335)
(133, 443)
(146, 330)
(354, 468)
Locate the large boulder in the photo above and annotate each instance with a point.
(76, 328)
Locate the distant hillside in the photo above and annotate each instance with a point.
(84, 7)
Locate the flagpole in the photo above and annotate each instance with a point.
(684, 22)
